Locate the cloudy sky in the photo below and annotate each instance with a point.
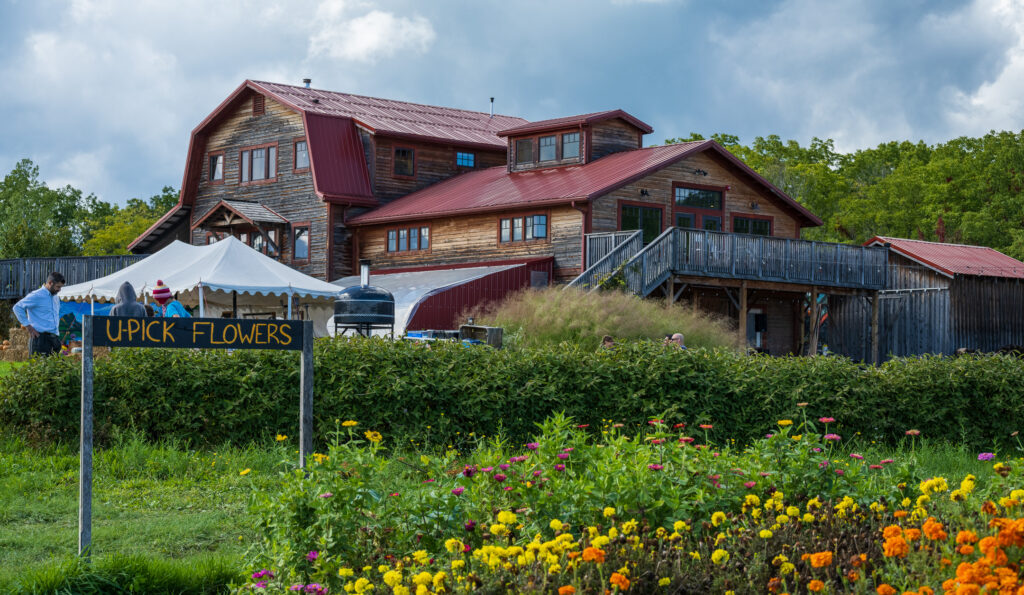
(102, 94)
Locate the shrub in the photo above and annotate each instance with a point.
(437, 395)
(535, 318)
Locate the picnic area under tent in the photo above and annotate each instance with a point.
(220, 275)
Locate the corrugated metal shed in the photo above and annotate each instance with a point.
(390, 117)
(955, 259)
(336, 156)
(581, 120)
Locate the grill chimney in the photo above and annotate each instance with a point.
(492, 107)
(364, 271)
(307, 82)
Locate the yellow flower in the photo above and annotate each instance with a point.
(392, 578)
(506, 517)
(808, 517)
(423, 578)
(499, 529)
(792, 511)
(383, 568)
(421, 556)
(458, 564)
(786, 568)
(613, 533)
(664, 582)
(695, 555)
(363, 585)
(349, 423)
(245, 471)
(720, 556)
(765, 534)
(345, 572)
(629, 526)
(609, 511)
(680, 526)
(785, 422)
(453, 546)
(797, 437)
(782, 519)
(281, 438)
(717, 518)
(400, 590)
(439, 579)
(555, 524)
(372, 436)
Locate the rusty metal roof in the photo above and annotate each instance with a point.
(955, 259)
(494, 189)
(581, 120)
(397, 118)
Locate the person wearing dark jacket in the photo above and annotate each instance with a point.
(125, 303)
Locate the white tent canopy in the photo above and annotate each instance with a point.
(412, 288)
(215, 271)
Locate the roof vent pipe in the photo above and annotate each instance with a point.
(364, 271)
(307, 82)
(492, 107)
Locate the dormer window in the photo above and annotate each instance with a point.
(547, 148)
(570, 145)
(405, 162)
(524, 150)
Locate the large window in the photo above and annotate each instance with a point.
(405, 162)
(524, 150)
(646, 219)
(570, 145)
(547, 148)
(408, 239)
(258, 163)
(523, 229)
(698, 198)
(301, 155)
(698, 207)
(759, 227)
(300, 242)
(465, 159)
(217, 167)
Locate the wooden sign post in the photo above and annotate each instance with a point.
(186, 333)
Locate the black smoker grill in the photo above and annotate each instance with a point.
(363, 308)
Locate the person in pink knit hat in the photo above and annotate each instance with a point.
(168, 306)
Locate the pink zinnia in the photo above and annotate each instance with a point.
(826, 420)
(857, 456)
(686, 439)
(326, 495)
(533, 445)
(568, 449)
(500, 477)
(487, 469)
(886, 461)
(428, 481)
(874, 466)
(768, 435)
(563, 455)
(470, 525)
(458, 491)
(655, 467)
(581, 426)
(836, 437)
(823, 464)
(706, 426)
(559, 467)
(677, 426)
(504, 466)
(507, 488)
(655, 421)
(536, 473)
(840, 472)
(312, 555)
(913, 432)
(749, 484)
(657, 441)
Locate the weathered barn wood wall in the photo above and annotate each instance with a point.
(433, 163)
(474, 238)
(988, 312)
(291, 194)
(738, 197)
(612, 136)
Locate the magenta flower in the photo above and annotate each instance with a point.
(559, 467)
(886, 461)
(835, 437)
(260, 585)
(428, 480)
(764, 474)
(655, 422)
(536, 473)
(469, 471)
(750, 484)
(986, 456)
(768, 435)
(823, 464)
(563, 455)
(500, 477)
(504, 466)
(533, 445)
(568, 449)
(313, 555)
(857, 456)
(470, 525)
(655, 467)
(686, 439)
(826, 420)
(487, 469)
(466, 549)
(326, 495)
(262, 573)
(815, 449)
(458, 491)
(874, 466)
(393, 494)
(840, 472)
(508, 488)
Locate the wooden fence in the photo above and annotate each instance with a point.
(20, 276)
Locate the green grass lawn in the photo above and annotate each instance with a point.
(6, 367)
(150, 501)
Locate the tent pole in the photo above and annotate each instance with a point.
(92, 305)
(289, 302)
(234, 304)
(202, 309)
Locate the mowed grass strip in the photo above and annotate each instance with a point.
(155, 506)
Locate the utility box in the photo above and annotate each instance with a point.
(489, 335)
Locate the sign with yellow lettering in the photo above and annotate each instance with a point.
(203, 333)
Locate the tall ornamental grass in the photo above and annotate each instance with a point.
(536, 318)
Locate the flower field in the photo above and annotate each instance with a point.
(665, 507)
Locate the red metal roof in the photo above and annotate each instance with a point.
(581, 120)
(955, 259)
(494, 189)
(397, 118)
(337, 159)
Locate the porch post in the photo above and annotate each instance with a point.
(743, 315)
(812, 346)
(874, 328)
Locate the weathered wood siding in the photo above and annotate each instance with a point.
(782, 311)
(291, 195)
(434, 162)
(474, 238)
(612, 136)
(738, 197)
(987, 312)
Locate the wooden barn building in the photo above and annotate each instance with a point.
(938, 298)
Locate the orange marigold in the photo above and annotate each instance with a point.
(593, 554)
(966, 537)
(933, 530)
(566, 590)
(895, 547)
(885, 589)
(967, 590)
(773, 584)
(899, 514)
(989, 507)
(892, 531)
(966, 550)
(853, 575)
(858, 559)
(945, 562)
(821, 559)
(925, 590)
(619, 581)
(913, 534)
(815, 586)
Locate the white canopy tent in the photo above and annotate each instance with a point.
(412, 288)
(208, 276)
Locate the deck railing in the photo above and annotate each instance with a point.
(718, 254)
(601, 270)
(600, 244)
(20, 276)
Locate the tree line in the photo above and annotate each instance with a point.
(966, 190)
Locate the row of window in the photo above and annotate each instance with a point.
(547, 148)
(408, 239)
(511, 229)
(648, 219)
(258, 163)
(300, 241)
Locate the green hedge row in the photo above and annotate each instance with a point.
(438, 395)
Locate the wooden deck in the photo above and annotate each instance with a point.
(19, 276)
(721, 255)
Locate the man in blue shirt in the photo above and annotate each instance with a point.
(39, 312)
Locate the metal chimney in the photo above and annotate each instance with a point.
(492, 107)
(364, 272)
(307, 82)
